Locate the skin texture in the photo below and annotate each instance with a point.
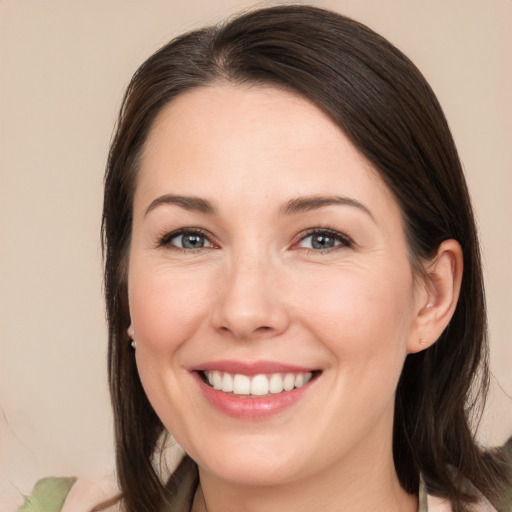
(258, 290)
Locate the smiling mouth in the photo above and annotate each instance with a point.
(261, 385)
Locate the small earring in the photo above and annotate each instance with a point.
(131, 335)
(423, 341)
(429, 305)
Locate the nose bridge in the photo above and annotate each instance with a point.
(249, 304)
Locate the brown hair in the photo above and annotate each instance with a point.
(386, 108)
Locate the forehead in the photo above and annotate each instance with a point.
(254, 142)
(228, 115)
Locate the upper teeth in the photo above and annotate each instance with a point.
(259, 385)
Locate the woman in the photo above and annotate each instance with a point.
(293, 278)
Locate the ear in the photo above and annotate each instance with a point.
(437, 294)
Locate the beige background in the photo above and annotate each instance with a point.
(63, 67)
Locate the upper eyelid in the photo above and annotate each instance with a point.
(346, 241)
(329, 231)
(167, 236)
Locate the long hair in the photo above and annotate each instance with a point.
(383, 104)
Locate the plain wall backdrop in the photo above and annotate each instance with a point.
(63, 68)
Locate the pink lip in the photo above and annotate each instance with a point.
(250, 368)
(245, 407)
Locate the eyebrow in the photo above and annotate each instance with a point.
(294, 206)
(191, 203)
(308, 203)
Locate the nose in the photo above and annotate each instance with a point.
(250, 304)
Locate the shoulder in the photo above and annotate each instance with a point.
(48, 495)
(432, 503)
(500, 457)
(436, 504)
(88, 493)
(57, 494)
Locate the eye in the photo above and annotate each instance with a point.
(324, 239)
(187, 239)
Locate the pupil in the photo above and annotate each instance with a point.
(192, 241)
(322, 242)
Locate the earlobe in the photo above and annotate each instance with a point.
(438, 300)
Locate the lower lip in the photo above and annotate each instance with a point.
(246, 407)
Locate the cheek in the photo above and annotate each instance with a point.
(166, 308)
(360, 315)
(364, 321)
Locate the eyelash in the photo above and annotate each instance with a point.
(343, 240)
(165, 240)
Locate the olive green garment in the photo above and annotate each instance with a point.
(422, 498)
(48, 495)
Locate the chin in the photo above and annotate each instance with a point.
(250, 472)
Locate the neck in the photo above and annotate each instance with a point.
(350, 487)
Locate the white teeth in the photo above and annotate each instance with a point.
(227, 383)
(299, 380)
(289, 382)
(276, 383)
(217, 380)
(257, 385)
(241, 385)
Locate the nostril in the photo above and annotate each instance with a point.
(259, 330)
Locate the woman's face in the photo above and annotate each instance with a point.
(268, 258)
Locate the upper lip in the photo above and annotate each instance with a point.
(250, 367)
